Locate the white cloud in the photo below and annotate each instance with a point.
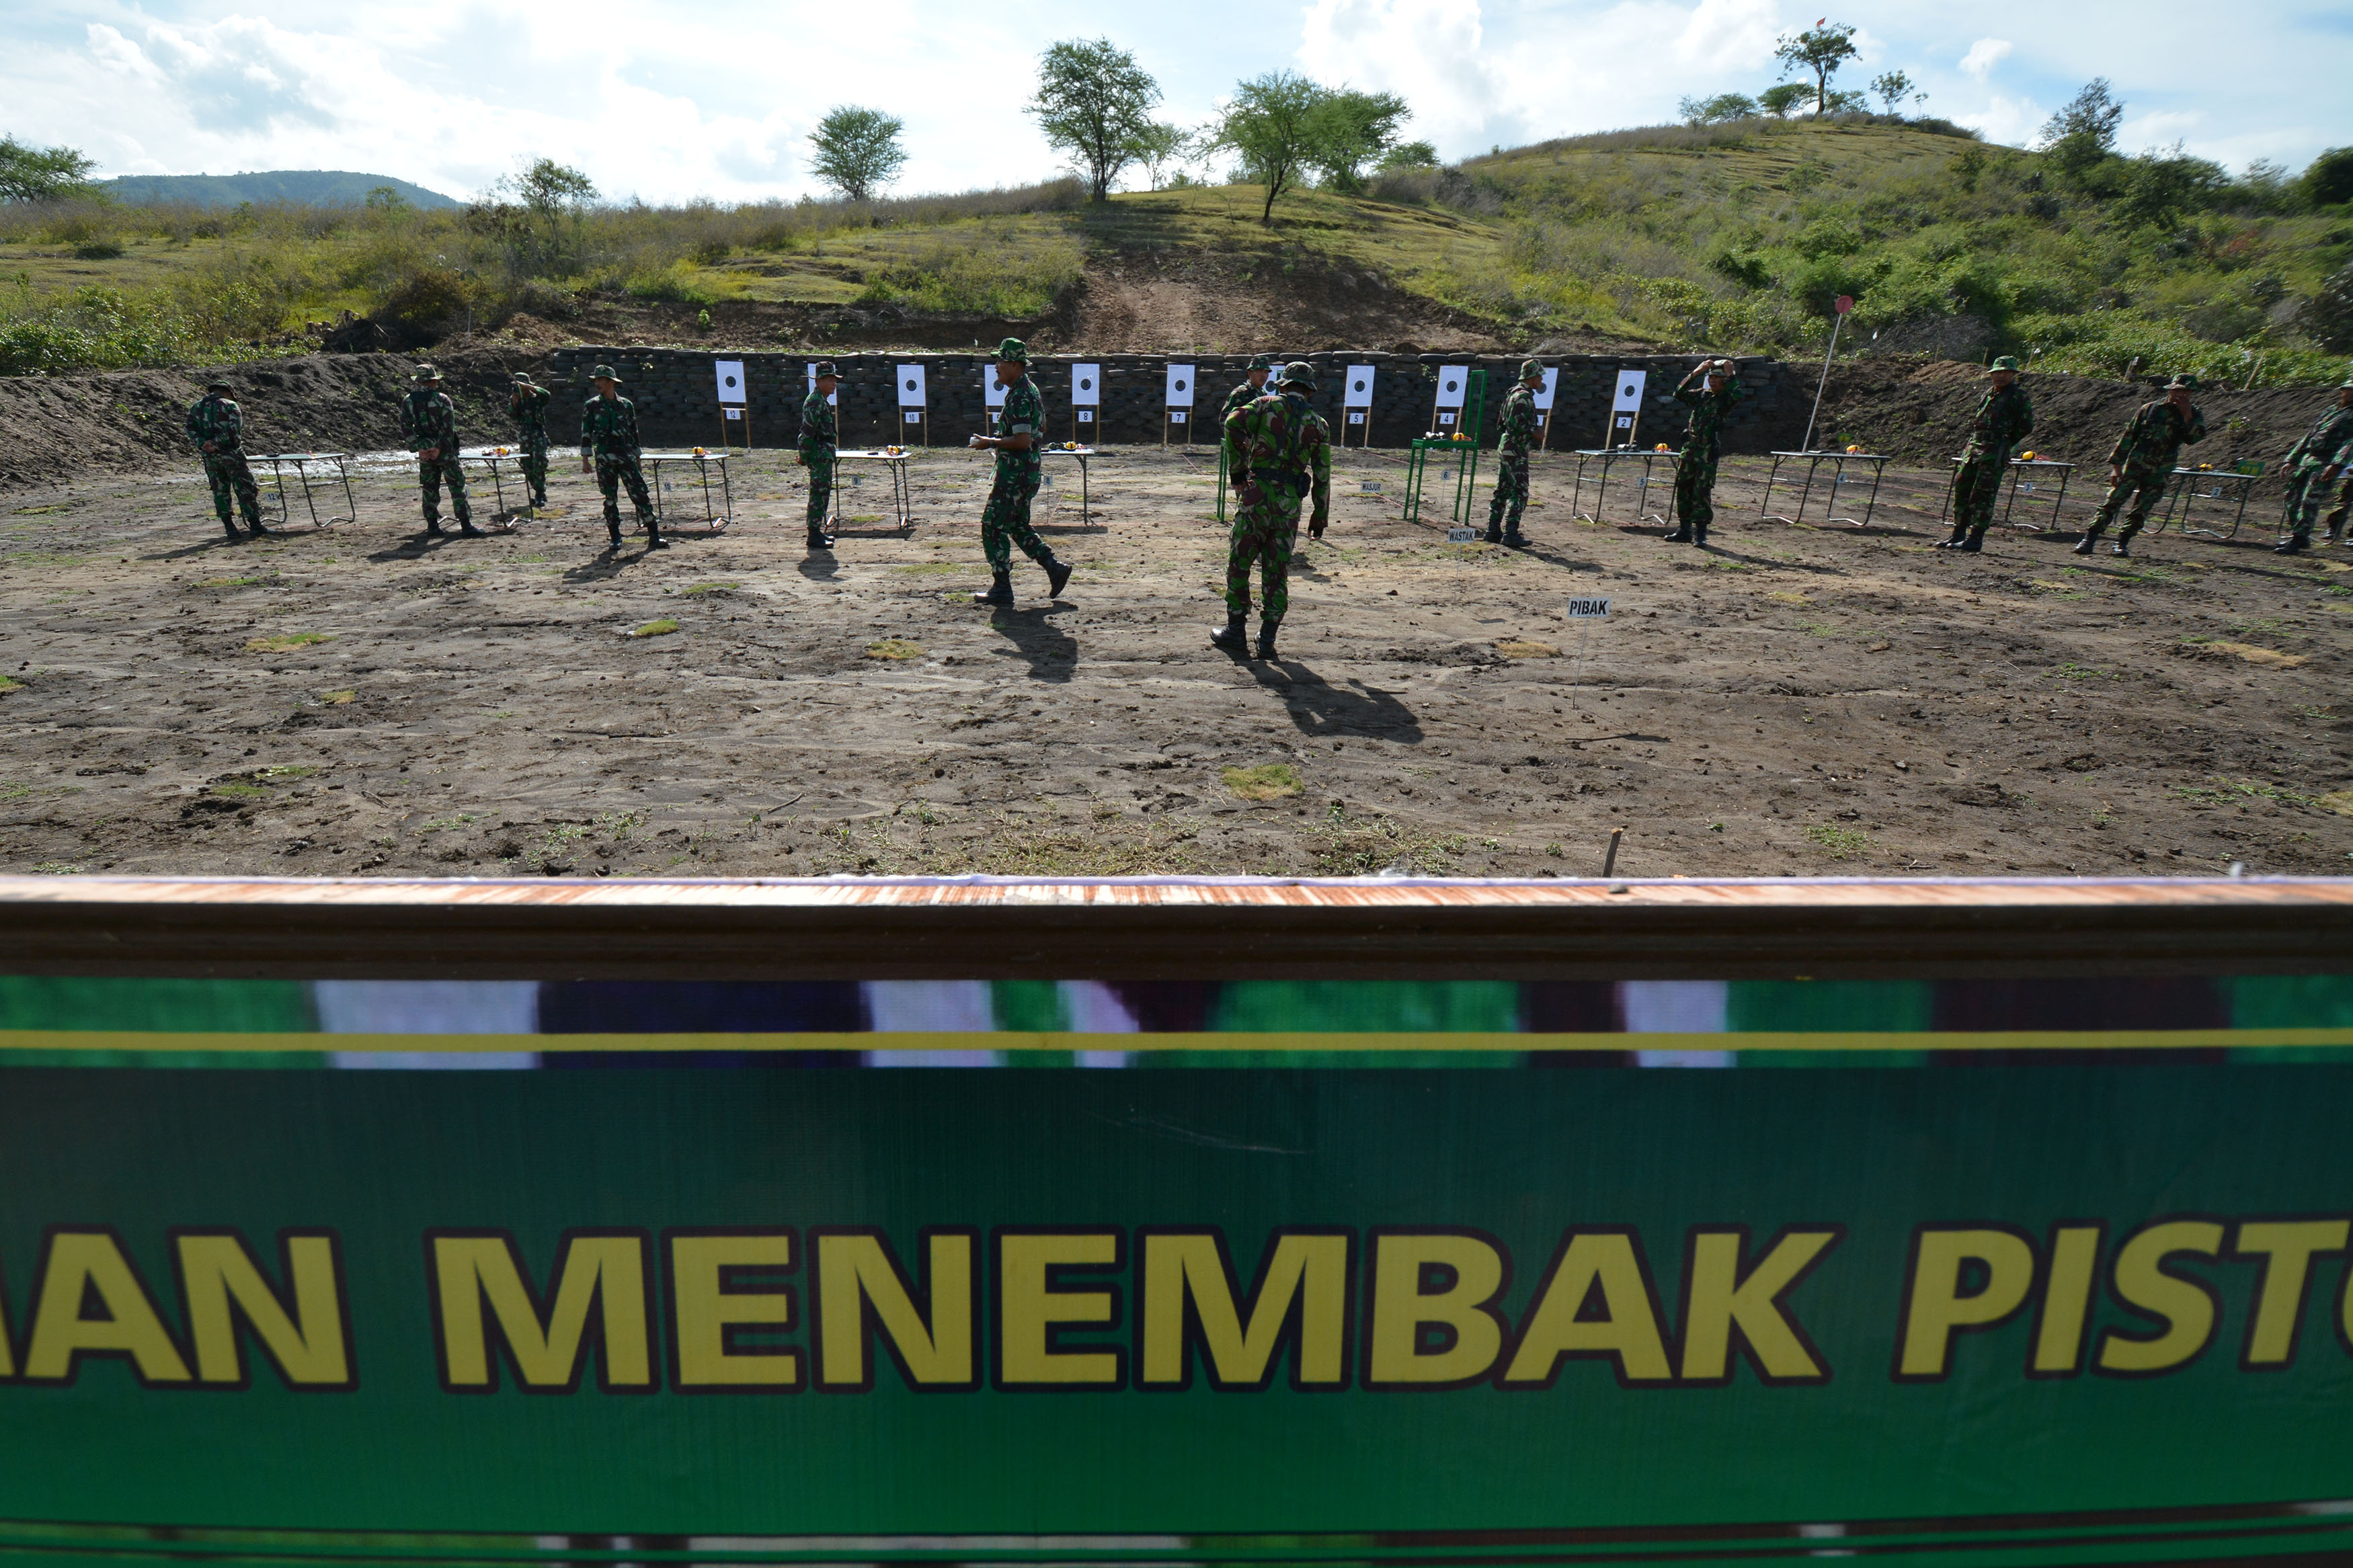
(1425, 50)
(1984, 55)
(2010, 121)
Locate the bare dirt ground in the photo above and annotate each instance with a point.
(1794, 699)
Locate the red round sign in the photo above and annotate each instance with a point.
(1845, 303)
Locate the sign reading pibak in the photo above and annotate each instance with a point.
(1583, 1299)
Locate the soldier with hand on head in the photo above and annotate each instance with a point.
(527, 403)
(609, 447)
(821, 433)
(2314, 463)
(1020, 428)
(2143, 461)
(2003, 419)
(1511, 502)
(1717, 390)
(432, 423)
(217, 426)
(1282, 456)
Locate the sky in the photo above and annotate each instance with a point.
(668, 101)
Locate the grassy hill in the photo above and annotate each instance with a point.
(1735, 237)
(314, 187)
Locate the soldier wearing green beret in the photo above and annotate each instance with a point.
(1519, 433)
(1282, 457)
(2004, 420)
(1020, 429)
(432, 423)
(217, 426)
(2142, 462)
(528, 402)
(821, 433)
(2314, 463)
(610, 445)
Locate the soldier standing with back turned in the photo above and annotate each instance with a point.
(527, 403)
(2004, 420)
(2318, 457)
(432, 422)
(1020, 427)
(217, 426)
(1512, 457)
(1282, 455)
(610, 446)
(2143, 461)
(1709, 401)
(821, 433)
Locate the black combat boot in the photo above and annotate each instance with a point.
(2123, 545)
(817, 541)
(1515, 539)
(1953, 540)
(1000, 590)
(2295, 544)
(1494, 532)
(259, 526)
(1233, 637)
(1266, 641)
(1699, 534)
(613, 532)
(654, 540)
(2090, 541)
(1056, 574)
(433, 525)
(1681, 535)
(1974, 543)
(234, 536)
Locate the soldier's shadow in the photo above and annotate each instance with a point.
(415, 547)
(1052, 653)
(1320, 709)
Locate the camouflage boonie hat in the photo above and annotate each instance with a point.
(217, 385)
(2185, 381)
(1532, 370)
(426, 372)
(1015, 350)
(1260, 362)
(824, 369)
(522, 378)
(2346, 385)
(603, 372)
(1298, 372)
(2007, 361)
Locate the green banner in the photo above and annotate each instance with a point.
(1184, 1303)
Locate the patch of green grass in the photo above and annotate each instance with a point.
(338, 699)
(660, 628)
(226, 582)
(287, 643)
(57, 868)
(285, 772)
(10, 683)
(1268, 781)
(1840, 841)
(893, 647)
(443, 824)
(696, 590)
(1363, 847)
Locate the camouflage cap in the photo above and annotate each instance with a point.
(1299, 373)
(2007, 361)
(2346, 385)
(1532, 370)
(217, 385)
(522, 378)
(603, 372)
(824, 370)
(1260, 362)
(426, 372)
(2185, 381)
(1015, 350)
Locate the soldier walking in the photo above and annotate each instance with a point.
(1282, 453)
(1511, 502)
(820, 434)
(2314, 463)
(529, 402)
(2143, 461)
(1020, 426)
(432, 423)
(217, 426)
(1709, 401)
(2003, 419)
(609, 447)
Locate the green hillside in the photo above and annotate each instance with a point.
(312, 187)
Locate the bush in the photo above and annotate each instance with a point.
(2328, 180)
(425, 303)
(675, 283)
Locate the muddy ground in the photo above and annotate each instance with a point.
(1794, 699)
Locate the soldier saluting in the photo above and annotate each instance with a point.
(2319, 456)
(2003, 419)
(1709, 401)
(2143, 460)
(609, 447)
(1282, 453)
(527, 403)
(432, 423)
(217, 426)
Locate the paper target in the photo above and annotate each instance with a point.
(910, 386)
(1357, 390)
(732, 385)
(1180, 387)
(1544, 393)
(1454, 384)
(1086, 386)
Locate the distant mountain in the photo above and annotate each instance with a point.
(317, 187)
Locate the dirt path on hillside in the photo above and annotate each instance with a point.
(1791, 700)
(1216, 303)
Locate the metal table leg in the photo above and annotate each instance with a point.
(1870, 502)
(1765, 507)
(1952, 483)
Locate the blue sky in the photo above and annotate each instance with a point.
(669, 101)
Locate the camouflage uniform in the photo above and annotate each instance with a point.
(609, 434)
(529, 402)
(2005, 419)
(2144, 459)
(1006, 522)
(1282, 453)
(820, 432)
(1245, 394)
(2328, 445)
(431, 420)
(1703, 446)
(1511, 502)
(217, 419)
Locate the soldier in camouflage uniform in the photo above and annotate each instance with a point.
(1519, 417)
(1251, 387)
(610, 446)
(2003, 419)
(217, 426)
(2323, 453)
(431, 420)
(819, 433)
(1282, 455)
(2143, 459)
(528, 402)
(1702, 446)
(1020, 428)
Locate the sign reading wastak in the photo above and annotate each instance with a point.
(1169, 1301)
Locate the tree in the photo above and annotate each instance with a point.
(384, 199)
(1715, 111)
(857, 149)
(548, 187)
(1156, 146)
(1411, 155)
(1271, 126)
(1093, 102)
(1778, 101)
(2082, 135)
(2328, 179)
(1352, 129)
(1895, 89)
(30, 174)
(1819, 50)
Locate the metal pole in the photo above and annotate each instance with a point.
(1837, 322)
